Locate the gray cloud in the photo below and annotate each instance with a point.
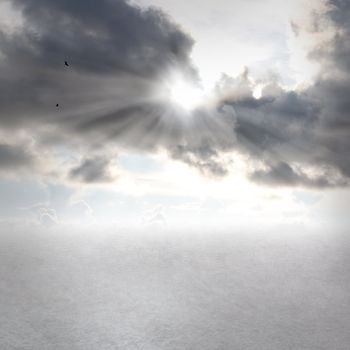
(204, 157)
(94, 170)
(339, 13)
(113, 36)
(295, 28)
(306, 127)
(112, 40)
(118, 54)
(282, 174)
(15, 157)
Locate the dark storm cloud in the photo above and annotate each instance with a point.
(105, 37)
(116, 54)
(93, 170)
(100, 41)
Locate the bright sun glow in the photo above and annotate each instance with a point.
(186, 95)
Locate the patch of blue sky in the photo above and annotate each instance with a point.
(139, 163)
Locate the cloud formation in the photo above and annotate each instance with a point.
(94, 170)
(112, 93)
(117, 53)
(282, 174)
(103, 42)
(14, 156)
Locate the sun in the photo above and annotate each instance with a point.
(186, 95)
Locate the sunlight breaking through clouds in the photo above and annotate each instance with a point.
(174, 174)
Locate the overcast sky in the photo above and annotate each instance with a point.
(238, 109)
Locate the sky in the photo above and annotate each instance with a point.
(174, 174)
(174, 108)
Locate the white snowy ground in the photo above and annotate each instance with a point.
(161, 290)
